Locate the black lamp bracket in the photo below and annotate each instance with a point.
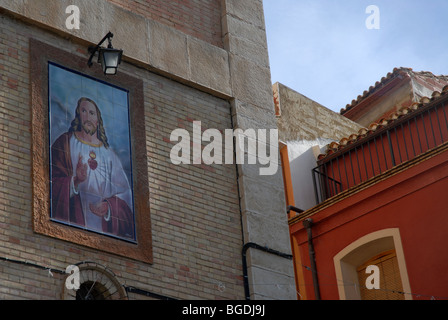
(94, 49)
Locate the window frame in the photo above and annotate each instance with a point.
(362, 249)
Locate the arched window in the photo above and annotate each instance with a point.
(382, 248)
(96, 282)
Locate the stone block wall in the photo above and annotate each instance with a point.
(197, 18)
(302, 119)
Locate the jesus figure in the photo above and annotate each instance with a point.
(89, 186)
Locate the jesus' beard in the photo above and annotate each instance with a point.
(87, 129)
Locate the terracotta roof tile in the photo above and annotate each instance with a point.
(423, 77)
(334, 147)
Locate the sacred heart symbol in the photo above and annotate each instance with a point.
(93, 164)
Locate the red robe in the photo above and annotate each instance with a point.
(69, 209)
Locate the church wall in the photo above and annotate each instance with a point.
(195, 217)
(188, 75)
(197, 18)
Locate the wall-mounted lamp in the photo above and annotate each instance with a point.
(109, 57)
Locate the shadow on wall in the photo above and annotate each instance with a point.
(302, 160)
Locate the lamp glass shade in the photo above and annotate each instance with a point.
(110, 59)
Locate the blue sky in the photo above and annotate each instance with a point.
(323, 49)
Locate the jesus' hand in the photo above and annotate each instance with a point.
(81, 172)
(100, 208)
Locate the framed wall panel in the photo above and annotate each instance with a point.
(90, 175)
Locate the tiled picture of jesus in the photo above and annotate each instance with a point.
(91, 167)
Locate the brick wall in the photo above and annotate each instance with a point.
(196, 226)
(198, 18)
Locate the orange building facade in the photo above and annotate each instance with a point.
(381, 201)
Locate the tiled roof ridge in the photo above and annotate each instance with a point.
(391, 75)
(363, 132)
(430, 74)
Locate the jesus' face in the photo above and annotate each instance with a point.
(89, 117)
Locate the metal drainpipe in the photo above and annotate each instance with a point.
(307, 223)
(292, 208)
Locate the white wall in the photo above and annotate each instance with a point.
(302, 160)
